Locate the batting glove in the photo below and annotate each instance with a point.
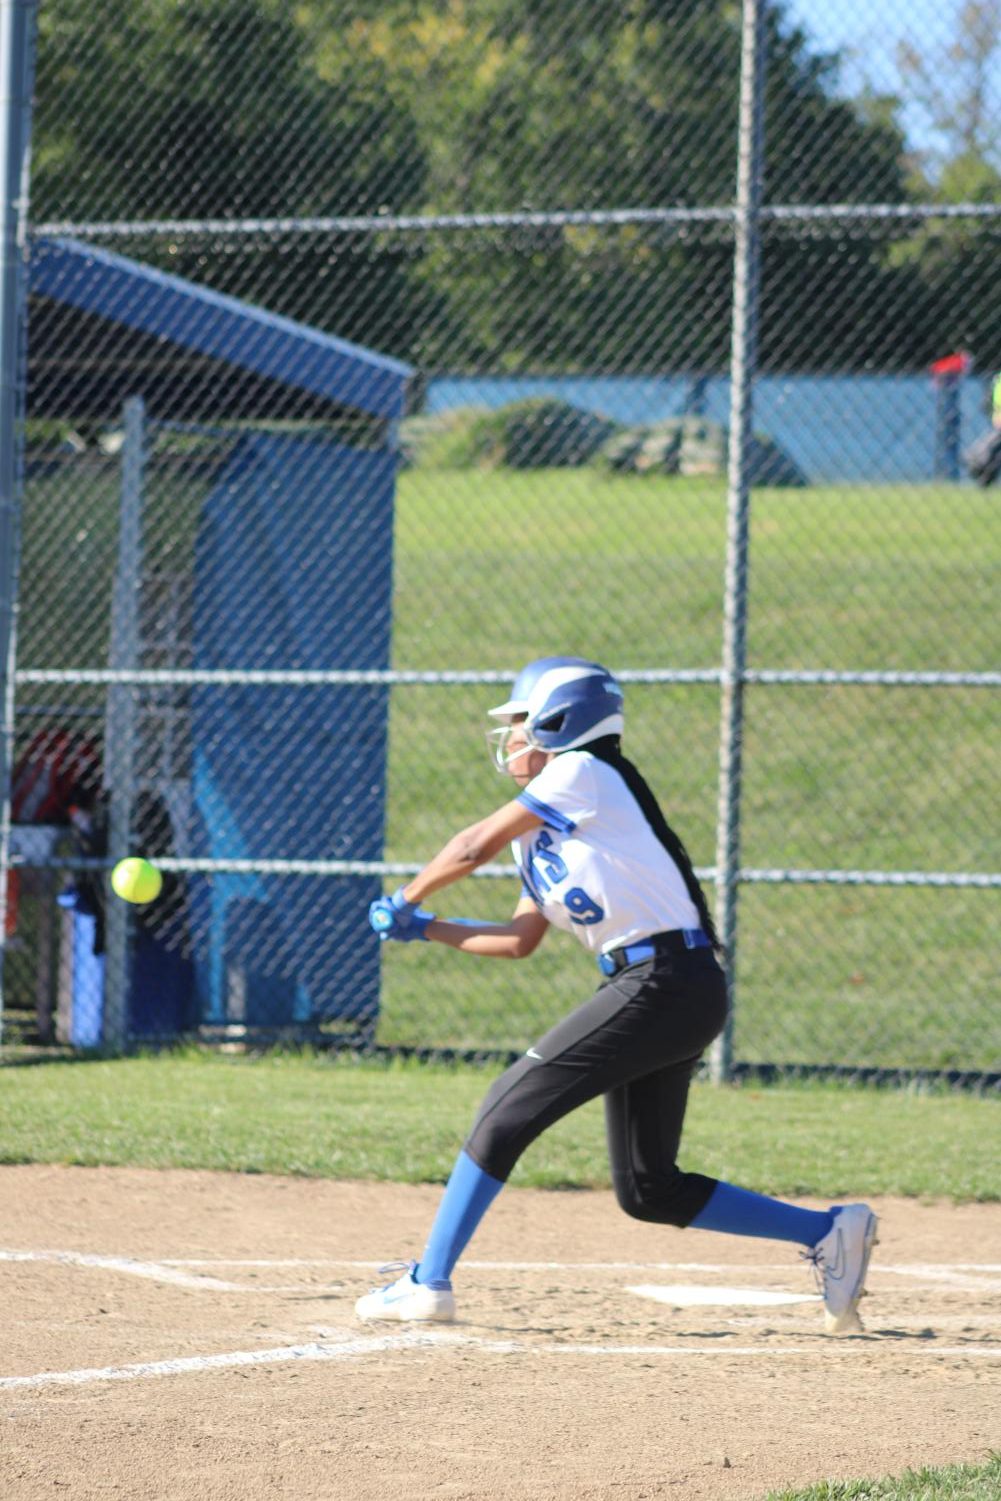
(381, 916)
(390, 912)
(394, 917)
(416, 929)
(402, 909)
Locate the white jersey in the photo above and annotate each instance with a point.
(597, 869)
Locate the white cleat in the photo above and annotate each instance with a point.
(406, 1299)
(841, 1261)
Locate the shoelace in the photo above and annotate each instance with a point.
(815, 1258)
(397, 1267)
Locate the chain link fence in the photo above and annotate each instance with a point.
(373, 351)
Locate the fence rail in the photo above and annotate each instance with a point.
(320, 677)
(549, 219)
(400, 869)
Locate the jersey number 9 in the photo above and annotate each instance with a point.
(582, 908)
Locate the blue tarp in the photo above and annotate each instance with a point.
(877, 429)
(293, 570)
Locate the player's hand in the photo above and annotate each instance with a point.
(390, 912)
(396, 918)
(403, 910)
(383, 920)
(415, 931)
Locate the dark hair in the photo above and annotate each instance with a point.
(608, 749)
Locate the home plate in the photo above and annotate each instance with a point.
(733, 1297)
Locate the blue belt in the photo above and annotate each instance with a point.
(674, 942)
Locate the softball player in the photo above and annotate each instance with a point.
(598, 859)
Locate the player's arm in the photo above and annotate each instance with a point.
(490, 940)
(470, 848)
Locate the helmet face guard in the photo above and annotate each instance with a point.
(497, 740)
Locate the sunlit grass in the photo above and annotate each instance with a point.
(344, 1117)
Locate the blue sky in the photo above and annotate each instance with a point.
(868, 32)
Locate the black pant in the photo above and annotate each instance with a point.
(637, 1042)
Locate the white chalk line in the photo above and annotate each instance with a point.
(355, 1348)
(165, 1271)
(152, 1270)
(908, 1268)
(345, 1349)
(690, 1295)
(958, 1276)
(959, 1281)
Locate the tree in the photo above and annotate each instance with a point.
(950, 89)
(207, 111)
(947, 93)
(176, 111)
(252, 107)
(598, 107)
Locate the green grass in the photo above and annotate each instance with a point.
(947, 1483)
(341, 1117)
(492, 568)
(513, 562)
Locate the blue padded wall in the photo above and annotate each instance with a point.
(293, 569)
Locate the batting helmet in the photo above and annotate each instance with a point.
(526, 680)
(572, 705)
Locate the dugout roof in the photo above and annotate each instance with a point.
(103, 327)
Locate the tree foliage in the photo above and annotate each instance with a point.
(949, 90)
(240, 108)
(950, 86)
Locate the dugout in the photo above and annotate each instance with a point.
(291, 570)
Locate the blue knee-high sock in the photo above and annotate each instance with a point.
(740, 1212)
(469, 1193)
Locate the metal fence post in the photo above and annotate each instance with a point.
(120, 720)
(17, 52)
(743, 359)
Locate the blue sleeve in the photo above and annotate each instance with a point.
(551, 816)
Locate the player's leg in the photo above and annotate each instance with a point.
(644, 1119)
(565, 1069)
(612, 1036)
(658, 1014)
(635, 1041)
(615, 1035)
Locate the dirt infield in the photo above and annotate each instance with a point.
(190, 1335)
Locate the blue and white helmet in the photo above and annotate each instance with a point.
(570, 706)
(517, 702)
(562, 703)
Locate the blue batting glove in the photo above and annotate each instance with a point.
(391, 912)
(403, 910)
(396, 918)
(416, 929)
(381, 916)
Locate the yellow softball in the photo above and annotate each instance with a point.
(136, 880)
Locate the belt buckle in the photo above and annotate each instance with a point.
(606, 963)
